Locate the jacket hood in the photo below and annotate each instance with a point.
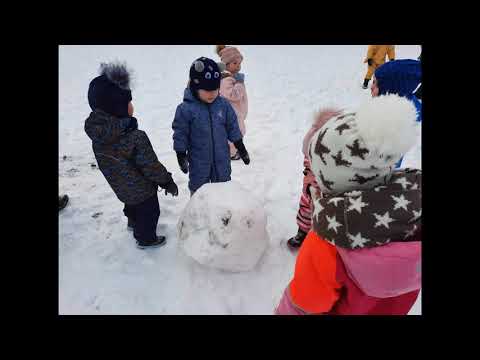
(377, 233)
(373, 217)
(385, 271)
(105, 128)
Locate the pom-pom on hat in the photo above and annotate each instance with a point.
(110, 91)
(358, 150)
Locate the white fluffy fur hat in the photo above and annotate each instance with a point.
(358, 150)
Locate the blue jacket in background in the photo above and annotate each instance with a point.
(202, 131)
(401, 77)
(418, 107)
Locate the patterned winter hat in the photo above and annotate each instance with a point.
(358, 150)
(399, 77)
(204, 74)
(110, 91)
(229, 53)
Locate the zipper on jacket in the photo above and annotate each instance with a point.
(213, 144)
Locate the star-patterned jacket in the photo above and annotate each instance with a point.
(363, 255)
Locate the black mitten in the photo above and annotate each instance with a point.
(171, 188)
(182, 161)
(370, 62)
(242, 151)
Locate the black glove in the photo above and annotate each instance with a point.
(182, 161)
(171, 188)
(370, 62)
(242, 151)
(133, 125)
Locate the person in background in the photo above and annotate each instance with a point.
(232, 88)
(376, 56)
(400, 77)
(304, 214)
(62, 201)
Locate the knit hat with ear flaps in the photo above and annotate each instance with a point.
(358, 150)
(205, 75)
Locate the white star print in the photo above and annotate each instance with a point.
(357, 240)
(357, 204)
(414, 187)
(403, 181)
(411, 232)
(220, 113)
(383, 220)
(335, 200)
(332, 223)
(354, 193)
(416, 215)
(317, 209)
(378, 188)
(400, 202)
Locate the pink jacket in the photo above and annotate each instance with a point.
(236, 94)
(380, 277)
(374, 281)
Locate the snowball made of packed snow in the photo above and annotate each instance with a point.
(224, 227)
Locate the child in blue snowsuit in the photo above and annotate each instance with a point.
(400, 77)
(204, 123)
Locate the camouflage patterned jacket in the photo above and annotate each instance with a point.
(125, 157)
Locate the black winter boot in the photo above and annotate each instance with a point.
(365, 83)
(62, 202)
(160, 241)
(130, 225)
(296, 241)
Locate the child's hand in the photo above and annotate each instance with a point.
(245, 157)
(242, 151)
(171, 188)
(182, 161)
(239, 77)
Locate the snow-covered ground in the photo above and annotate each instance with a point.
(100, 269)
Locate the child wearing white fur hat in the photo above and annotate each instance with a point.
(363, 254)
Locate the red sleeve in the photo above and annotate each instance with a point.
(314, 287)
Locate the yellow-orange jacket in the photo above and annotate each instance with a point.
(378, 53)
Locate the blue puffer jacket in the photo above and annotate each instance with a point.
(202, 130)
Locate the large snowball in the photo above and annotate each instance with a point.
(223, 227)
